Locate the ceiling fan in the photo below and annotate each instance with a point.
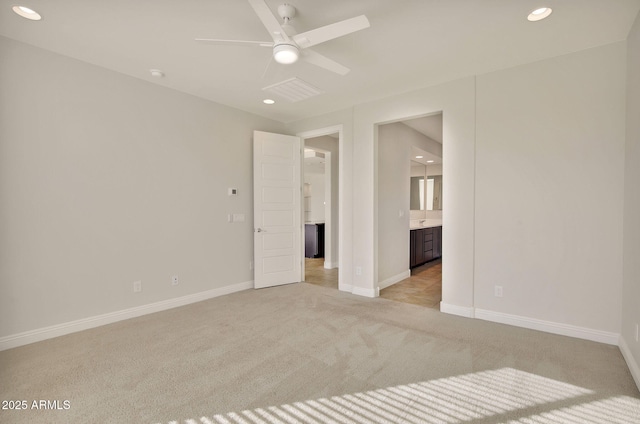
(288, 46)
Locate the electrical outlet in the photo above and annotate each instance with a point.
(174, 280)
(358, 270)
(137, 286)
(497, 291)
(250, 265)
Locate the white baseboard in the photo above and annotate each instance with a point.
(550, 327)
(395, 279)
(463, 311)
(361, 291)
(330, 265)
(633, 365)
(345, 287)
(45, 333)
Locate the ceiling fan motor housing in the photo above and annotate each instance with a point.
(286, 11)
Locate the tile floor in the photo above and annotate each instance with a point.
(423, 287)
(315, 273)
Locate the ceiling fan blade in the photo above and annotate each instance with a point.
(329, 32)
(236, 42)
(269, 20)
(266, 69)
(324, 62)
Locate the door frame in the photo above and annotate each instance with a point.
(319, 133)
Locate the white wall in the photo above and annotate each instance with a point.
(106, 179)
(394, 169)
(631, 229)
(549, 135)
(434, 170)
(316, 201)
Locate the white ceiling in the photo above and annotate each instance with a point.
(410, 44)
(426, 159)
(431, 126)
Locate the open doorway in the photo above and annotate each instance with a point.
(410, 178)
(321, 209)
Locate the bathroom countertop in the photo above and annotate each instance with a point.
(415, 224)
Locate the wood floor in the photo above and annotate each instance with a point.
(423, 287)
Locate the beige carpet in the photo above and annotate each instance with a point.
(303, 353)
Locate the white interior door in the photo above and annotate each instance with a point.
(276, 209)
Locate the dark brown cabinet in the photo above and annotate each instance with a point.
(437, 242)
(425, 244)
(314, 240)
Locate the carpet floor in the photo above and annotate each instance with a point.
(306, 353)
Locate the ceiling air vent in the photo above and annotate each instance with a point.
(293, 89)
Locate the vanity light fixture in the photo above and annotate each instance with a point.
(27, 13)
(539, 14)
(268, 101)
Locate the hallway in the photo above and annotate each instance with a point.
(423, 287)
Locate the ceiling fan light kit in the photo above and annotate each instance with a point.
(286, 53)
(288, 46)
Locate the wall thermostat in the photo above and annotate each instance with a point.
(233, 191)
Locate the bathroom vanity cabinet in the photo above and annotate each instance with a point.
(425, 244)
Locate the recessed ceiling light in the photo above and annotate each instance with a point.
(419, 157)
(429, 161)
(539, 14)
(268, 101)
(156, 73)
(25, 12)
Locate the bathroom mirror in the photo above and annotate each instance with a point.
(434, 193)
(425, 190)
(417, 190)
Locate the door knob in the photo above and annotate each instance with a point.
(260, 230)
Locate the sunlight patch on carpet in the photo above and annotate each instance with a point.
(448, 400)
